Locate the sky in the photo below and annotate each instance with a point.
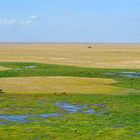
(97, 21)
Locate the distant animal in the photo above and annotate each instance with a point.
(89, 47)
(1, 91)
(64, 93)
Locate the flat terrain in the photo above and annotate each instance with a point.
(100, 55)
(3, 68)
(69, 91)
(59, 85)
(115, 117)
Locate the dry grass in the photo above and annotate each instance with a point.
(3, 68)
(51, 85)
(103, 56)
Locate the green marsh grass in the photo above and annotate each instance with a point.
(120, 120)
(19, 70)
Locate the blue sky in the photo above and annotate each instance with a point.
(70, 21)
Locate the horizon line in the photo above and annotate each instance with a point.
(26, 42)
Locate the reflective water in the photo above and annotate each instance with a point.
(26, 67)
(15, 118)
(64, 106)
(71, 108)
(30, 67)
(125, 74)
(25, 118)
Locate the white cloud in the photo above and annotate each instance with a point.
(8, 21)
(27, 22)
(35, 17)
(5, 21)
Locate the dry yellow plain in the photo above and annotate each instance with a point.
(100, 55)
(3, 68)
(51, 85)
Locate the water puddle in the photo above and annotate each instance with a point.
(15, 118)
(49, 115)
(138, 133)
(18, 69)
(125, 74)
(64, 106)
(72, 108)
(69, 107)
(25, 118)
(30, 67)
(26, 67)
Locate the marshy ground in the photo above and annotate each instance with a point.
(57, 101)
(63, 117)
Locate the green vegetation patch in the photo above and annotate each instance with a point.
(120, 119)
(36, 69)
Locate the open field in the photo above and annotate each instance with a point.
(100, 55)
(59, 85)
(44, 70)
(119, 118)
(3, 68)
(72, 92)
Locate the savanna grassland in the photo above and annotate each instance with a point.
(100, 55)
(70, 91)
